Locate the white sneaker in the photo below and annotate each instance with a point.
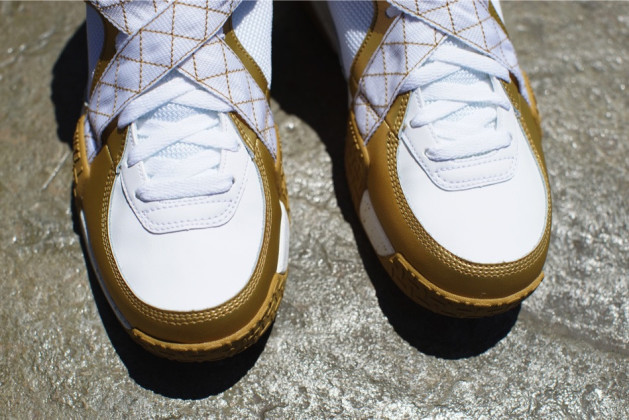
(444, 156)
(178, 176)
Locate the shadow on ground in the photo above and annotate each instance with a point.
(167, 377)
(69, 78)
(308, 82)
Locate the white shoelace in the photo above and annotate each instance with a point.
(180, 138)
(459, 100)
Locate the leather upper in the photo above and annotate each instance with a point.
(485, 209)
(188, 254)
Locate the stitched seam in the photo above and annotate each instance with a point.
(195, 221)
(182, 318)
(380, 110)
(116, 61)
(471, 165)
(363, 46)
(445, 256)
(264, 127)
(473, 181)
(256, 68)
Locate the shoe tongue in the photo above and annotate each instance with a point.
(466, 77)
(171, 114)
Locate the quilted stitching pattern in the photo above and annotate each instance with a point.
(471, 22)
(391, 63)
(428, 21)
(190, 30)
(128, 16)
(229, 79)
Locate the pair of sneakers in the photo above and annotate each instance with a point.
(179, 184)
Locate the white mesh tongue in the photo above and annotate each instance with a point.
(465, 77)
(169, 114)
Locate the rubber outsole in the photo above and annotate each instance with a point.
(206, 351)
(225, 347)
(431, 297)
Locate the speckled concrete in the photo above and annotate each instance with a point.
(346, 342)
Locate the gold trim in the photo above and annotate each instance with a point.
(494, 14)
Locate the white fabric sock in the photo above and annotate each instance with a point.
(352, 20)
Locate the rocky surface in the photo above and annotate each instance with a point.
(346, 342)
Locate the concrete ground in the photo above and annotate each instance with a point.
(346, 342)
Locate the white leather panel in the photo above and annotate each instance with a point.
(475, 171)
(191, 213)
(373, 228)
(488, 224)
(189, 269)
(99, 276)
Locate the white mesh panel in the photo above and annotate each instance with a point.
(252, 22)
(171, 113)
(352, 20)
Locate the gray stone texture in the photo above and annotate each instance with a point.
(346, 342)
